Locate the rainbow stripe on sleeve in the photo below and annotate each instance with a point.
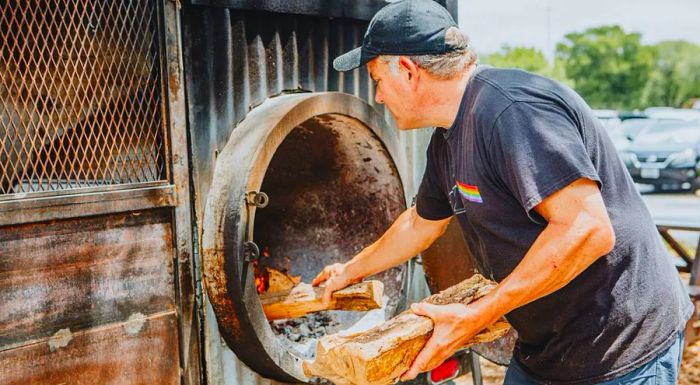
(469, 192)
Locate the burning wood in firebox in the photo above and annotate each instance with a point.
(284, 296)
(270, 280)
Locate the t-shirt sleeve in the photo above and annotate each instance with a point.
(432, 202)
(536, 150)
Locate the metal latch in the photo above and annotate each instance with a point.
(257, 198)
(251, 251)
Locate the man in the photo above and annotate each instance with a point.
(544, 203)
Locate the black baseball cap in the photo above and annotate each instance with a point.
(405, 27)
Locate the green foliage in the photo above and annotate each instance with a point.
(676, 78)
(608, 67)
(529, 59)
(611, 68)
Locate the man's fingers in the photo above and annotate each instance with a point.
(424, 309)
(418, 364)
(327, 293)
(323, 276)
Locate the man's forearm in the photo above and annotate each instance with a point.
(407, 236)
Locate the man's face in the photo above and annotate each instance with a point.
(397, 91)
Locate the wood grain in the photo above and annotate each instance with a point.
(83, 273)
(304, 299)
(141, 351)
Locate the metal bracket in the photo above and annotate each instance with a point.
(251, 251)
(257, 198)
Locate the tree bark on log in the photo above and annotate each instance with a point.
(380, 355)
(304, 299)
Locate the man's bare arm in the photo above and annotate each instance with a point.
(408, 235)
(578, 232)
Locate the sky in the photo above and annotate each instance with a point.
(542, 23)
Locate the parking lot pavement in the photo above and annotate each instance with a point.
(675, 207)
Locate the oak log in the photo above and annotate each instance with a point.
(380, 355)
(304, 299)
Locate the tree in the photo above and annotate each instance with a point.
(607, 66)
(676, 77)
(529, 59)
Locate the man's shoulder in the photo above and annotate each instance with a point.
(517, 85)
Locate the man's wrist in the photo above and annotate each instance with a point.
(483, 312)
(352, 270)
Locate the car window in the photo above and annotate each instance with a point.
(678, 133)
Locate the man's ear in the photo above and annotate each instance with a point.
(412, 70)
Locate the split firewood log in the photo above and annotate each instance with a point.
(304, 299)
(380, 355)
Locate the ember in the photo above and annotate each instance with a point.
(262, 277)
(268, 279)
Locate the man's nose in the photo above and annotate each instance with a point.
(378, 97)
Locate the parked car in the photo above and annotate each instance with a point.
(609, 118)
(666, 155)
(632, 127)
(687, 114)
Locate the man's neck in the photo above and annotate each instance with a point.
(446, 97)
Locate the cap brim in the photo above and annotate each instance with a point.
(351, 60)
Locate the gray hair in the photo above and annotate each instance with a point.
(442, 66)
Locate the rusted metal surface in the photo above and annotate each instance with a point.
(80, 274)
(92, 122)
(79, 95)
(242, 167)
(49, 208)
(186, 263)
(333, 190)
(140, 349)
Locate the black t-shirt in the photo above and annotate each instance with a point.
(517, 139)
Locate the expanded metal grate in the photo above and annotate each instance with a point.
(80, 94)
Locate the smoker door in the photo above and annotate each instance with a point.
(96, 282)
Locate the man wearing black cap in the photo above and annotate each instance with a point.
(546, 207)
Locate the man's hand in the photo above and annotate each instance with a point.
(453, 326)
(336, 277)
(408, 235)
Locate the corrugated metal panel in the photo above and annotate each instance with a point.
(234, 60)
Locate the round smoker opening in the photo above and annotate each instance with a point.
(333, 190)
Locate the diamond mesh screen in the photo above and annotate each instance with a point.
(80, 94)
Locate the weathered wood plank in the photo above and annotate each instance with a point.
(304, 299)
(142, 350)
(83, 273)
